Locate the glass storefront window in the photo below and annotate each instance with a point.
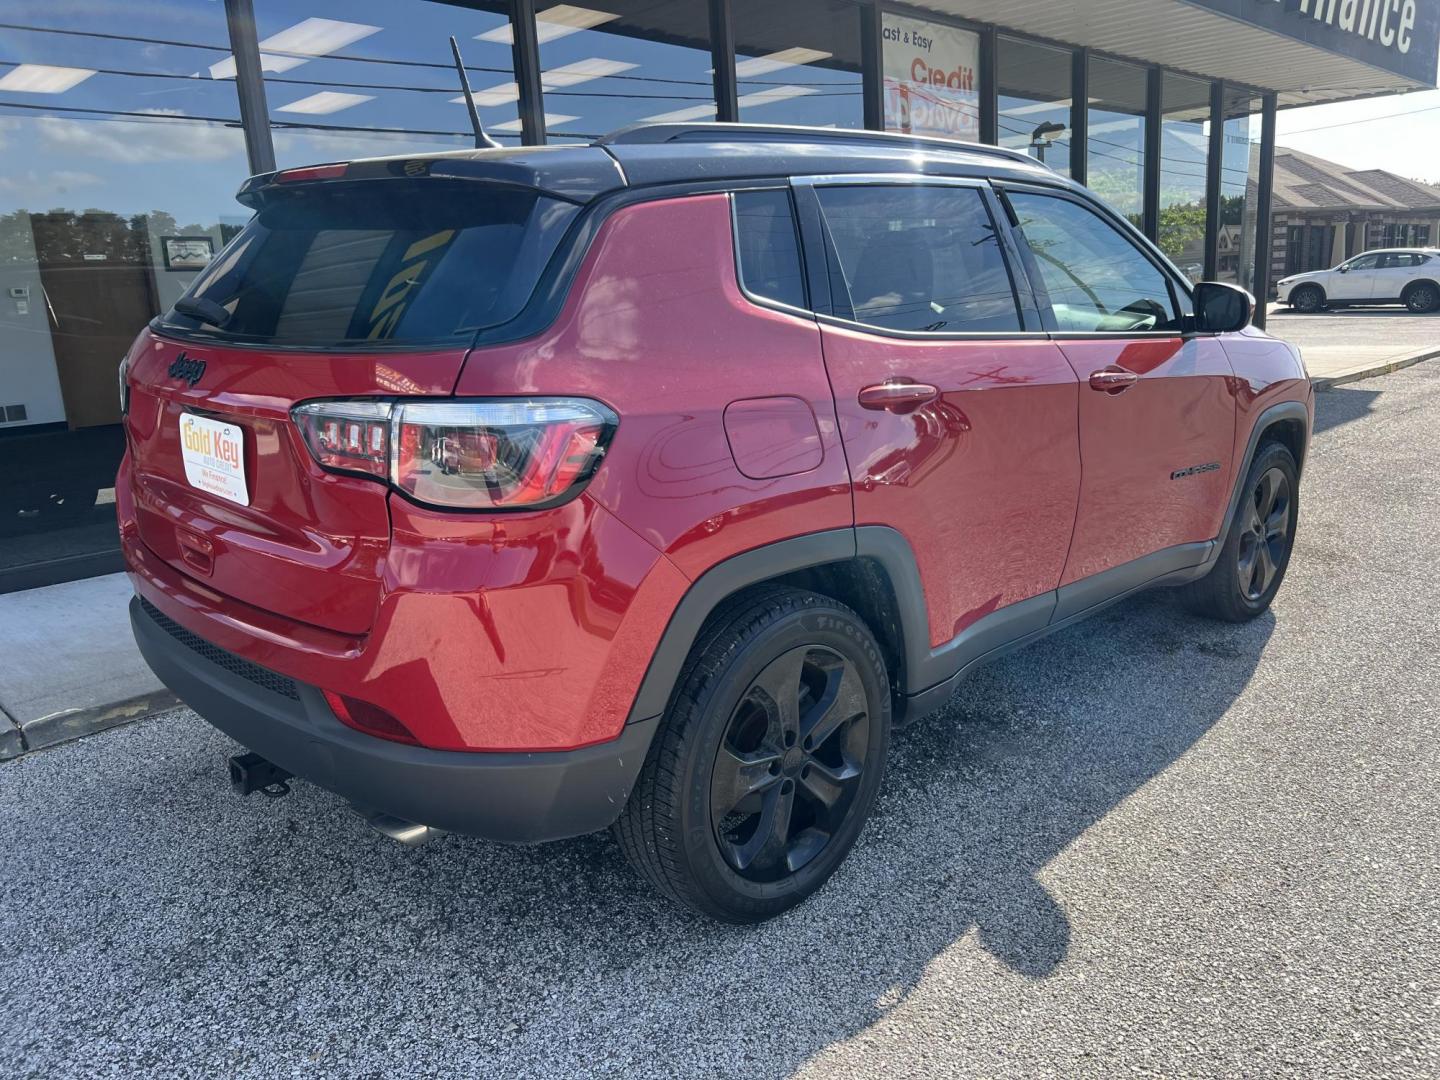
(613, 63)
(1239, 183)
(1034, 88)
(1184, 150)
(1116, 166)
(120, 167)
(798, 62)
(932, 77)
(367, 78)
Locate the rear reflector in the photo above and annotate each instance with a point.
(311, 172)
(371, 719)
(492, 454)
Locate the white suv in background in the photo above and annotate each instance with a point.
(1409, 276)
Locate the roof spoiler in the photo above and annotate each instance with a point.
(575, 174)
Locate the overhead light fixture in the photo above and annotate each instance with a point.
(679, 116)
(582, 71)
(317, 37)
(225, 69)
(763, 65)
(559, 21)
(325, 102)
(43, 79)
(772, 95)
(313, 37)
(551, 120)
(495, 95)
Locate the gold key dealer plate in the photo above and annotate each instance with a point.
(214, 456)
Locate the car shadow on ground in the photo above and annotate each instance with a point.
(1341, 405)
(529, 958)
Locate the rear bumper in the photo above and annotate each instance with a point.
(512, 797)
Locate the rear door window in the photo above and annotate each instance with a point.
(1096, 279)
(920, 257)
(376, 263)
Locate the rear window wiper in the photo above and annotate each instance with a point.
(208, 310)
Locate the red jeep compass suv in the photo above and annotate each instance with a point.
(649, 484)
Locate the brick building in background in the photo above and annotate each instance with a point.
(1324, 212)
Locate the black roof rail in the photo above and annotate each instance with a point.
(716, 131)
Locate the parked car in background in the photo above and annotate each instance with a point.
(1409, 276)
(648, 484)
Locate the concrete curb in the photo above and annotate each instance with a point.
(72, 724)
(1383, 368)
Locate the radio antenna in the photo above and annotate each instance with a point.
(482, 141)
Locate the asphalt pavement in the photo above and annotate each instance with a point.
(1149, 845)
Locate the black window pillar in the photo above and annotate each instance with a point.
(250, 86)
(526, 53)
(872, 65)
(1079, 115)
(722, 59)
(989, 89)
(1265, 189)
(1214, 162)
(1154, 86)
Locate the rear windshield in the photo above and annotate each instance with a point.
(376, 263)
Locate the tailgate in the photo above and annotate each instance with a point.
(275, 531)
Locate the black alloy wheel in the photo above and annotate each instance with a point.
(1423, 298)
(768, 760)
(1265, 542)
(1255, 553)
(1307, 299)
(790, 763)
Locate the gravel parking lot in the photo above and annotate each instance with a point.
(1150, 844)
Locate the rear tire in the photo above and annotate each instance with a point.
(1308, 299)
(1422, 298)
(1256, 552)
(768, 761)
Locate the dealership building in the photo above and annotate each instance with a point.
(125, 129)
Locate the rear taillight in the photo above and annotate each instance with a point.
(494, 454)
(351, 436)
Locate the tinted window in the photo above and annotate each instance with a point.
(916, 257)
(1095, 277)
(1364, 262)
(768, 252)
(385, 261)
(1402, 259)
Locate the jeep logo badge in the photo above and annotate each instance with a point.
(183, 367)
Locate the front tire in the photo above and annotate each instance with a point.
(1256, 553)
(768, 761)
(1308, 299)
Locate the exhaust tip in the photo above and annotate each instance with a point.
(398, 829)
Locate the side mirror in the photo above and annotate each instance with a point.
(1221, 308)
(1343, 269)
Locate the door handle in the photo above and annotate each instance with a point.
(899, 395)
(1113, 380)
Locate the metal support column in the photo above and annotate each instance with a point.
(1214, 162)
(1080, 115)
(872, 64)
(1150, 177)
(989, 89)
(526, 54)
(722, 59)
(250, 86)
(1265, 188)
